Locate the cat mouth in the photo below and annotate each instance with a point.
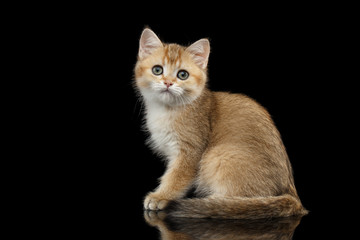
(167, 91)
(169, 94)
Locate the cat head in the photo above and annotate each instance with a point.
(169, 73)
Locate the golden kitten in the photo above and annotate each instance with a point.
(225, 145)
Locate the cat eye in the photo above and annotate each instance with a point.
(157, 70)
(182, 74)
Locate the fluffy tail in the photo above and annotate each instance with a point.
(237, 208)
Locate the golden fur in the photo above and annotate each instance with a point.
(225, 145)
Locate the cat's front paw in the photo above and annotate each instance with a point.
(154, 201)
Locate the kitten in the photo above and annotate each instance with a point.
(225, 145)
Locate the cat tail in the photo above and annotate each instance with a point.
(237, 207)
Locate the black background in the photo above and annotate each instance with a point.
(100, 165)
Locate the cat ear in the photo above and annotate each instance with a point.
(148, 43)
(200, 51)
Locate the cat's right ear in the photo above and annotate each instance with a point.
(148, 43)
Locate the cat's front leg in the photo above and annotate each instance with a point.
(174, 184)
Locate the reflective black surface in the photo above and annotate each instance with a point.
(208, 229)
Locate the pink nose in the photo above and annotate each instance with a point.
(168, 84)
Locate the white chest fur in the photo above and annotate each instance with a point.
(163, 139)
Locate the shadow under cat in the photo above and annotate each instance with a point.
(190, 228)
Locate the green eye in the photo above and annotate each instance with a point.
(157, 70)
(182, 74)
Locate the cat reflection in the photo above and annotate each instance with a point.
(209, 229)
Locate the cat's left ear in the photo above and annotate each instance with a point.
(200, 51)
